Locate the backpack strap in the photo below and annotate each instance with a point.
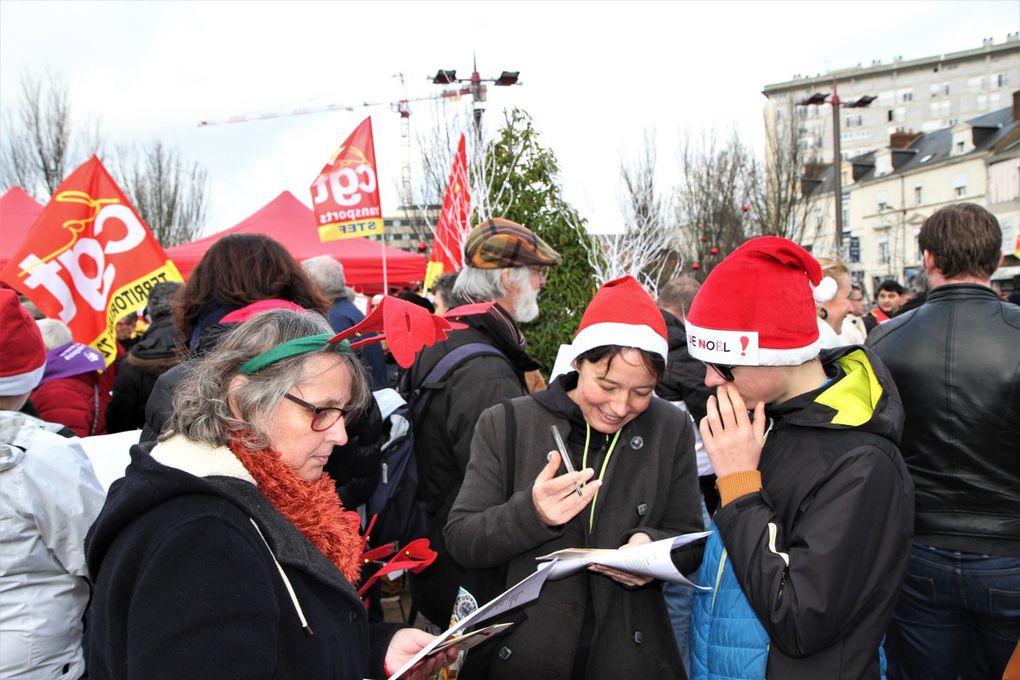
(434, 381)
(511, 448)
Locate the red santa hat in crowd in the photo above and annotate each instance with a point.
(24, 355)
(623, 314)
(757, 307)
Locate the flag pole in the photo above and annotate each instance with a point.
(385, 280)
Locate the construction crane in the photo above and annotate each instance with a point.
(401, 106)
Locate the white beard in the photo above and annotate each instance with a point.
(526, 303)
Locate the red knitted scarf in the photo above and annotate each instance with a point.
(312, 507)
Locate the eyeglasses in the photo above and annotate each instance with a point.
(542, 271)
(323, 417)
(722, 370)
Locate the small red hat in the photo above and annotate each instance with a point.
(24, 355)
(757, 307)
(622, 314)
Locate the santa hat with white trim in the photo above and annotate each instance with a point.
(24, 355)
(757, 307)
(622, 314)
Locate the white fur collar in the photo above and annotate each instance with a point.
(200, 459)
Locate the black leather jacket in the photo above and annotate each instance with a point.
(956, 362)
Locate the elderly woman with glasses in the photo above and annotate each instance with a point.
(224, 552)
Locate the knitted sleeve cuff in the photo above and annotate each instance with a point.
(732, 487)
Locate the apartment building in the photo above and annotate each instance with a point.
(920, 95)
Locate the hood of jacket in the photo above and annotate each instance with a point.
(158, 343)
(158, 473)
(179, 466)
(16, 430)
(860, 394)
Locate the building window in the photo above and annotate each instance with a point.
(918, 195)
(889, 115)
(855, 121)
(908, 96)
(883, 201)
(960, 186)
(883, 250)
(1002, 80)
(960, 146)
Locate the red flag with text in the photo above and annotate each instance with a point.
(89, 259)
(452, 227)
(345, 195)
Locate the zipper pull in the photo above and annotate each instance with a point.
(385, 473)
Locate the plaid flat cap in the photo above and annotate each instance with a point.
(500, 244)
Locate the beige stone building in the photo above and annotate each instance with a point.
(889, 192)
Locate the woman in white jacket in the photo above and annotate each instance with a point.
(49, 497)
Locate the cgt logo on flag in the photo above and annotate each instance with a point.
(345, 195)
(89, 259)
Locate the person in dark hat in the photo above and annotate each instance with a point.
(152, 356)
(505, 263)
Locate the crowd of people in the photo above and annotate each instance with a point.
(857, 470)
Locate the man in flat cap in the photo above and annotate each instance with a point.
(508, 264)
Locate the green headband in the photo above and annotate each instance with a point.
(292, 348)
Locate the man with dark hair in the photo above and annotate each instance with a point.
(955, 360)
(890, 296)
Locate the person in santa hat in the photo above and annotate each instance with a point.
(813, 533)
(637, 482)
(49, 497)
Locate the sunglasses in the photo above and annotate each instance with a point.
(722, 370)
(323, 417)
(542, 271)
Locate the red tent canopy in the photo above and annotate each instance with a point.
(18, 212)
(292, 223)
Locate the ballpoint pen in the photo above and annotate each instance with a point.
(565, 456)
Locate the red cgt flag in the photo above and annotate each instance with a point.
(345, 195)
(447, 250)
(89, 259)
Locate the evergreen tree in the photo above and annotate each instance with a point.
(523, 186)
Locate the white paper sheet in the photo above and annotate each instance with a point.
(651, 559)
(522, 592)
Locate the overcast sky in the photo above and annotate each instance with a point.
(596, 74)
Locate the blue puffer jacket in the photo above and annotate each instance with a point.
(727, 640)
(731, 644)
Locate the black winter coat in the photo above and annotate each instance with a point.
(684, 378)
(152, 356)
(188, 581)
(443, 441)
(956, 362)
(821, 551)
(650, 486)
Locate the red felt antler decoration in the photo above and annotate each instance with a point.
(407, 327)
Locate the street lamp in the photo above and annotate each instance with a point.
(475, 86)
(817, 99)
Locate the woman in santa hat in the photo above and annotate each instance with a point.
(637, 482)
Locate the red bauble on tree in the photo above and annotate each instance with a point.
(745, 208)
(714, 250)
(695, 266)
(422, 247)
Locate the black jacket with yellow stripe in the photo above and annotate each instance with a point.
(821, 551)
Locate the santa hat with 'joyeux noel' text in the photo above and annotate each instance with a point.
(757, 307)
(623, 314)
